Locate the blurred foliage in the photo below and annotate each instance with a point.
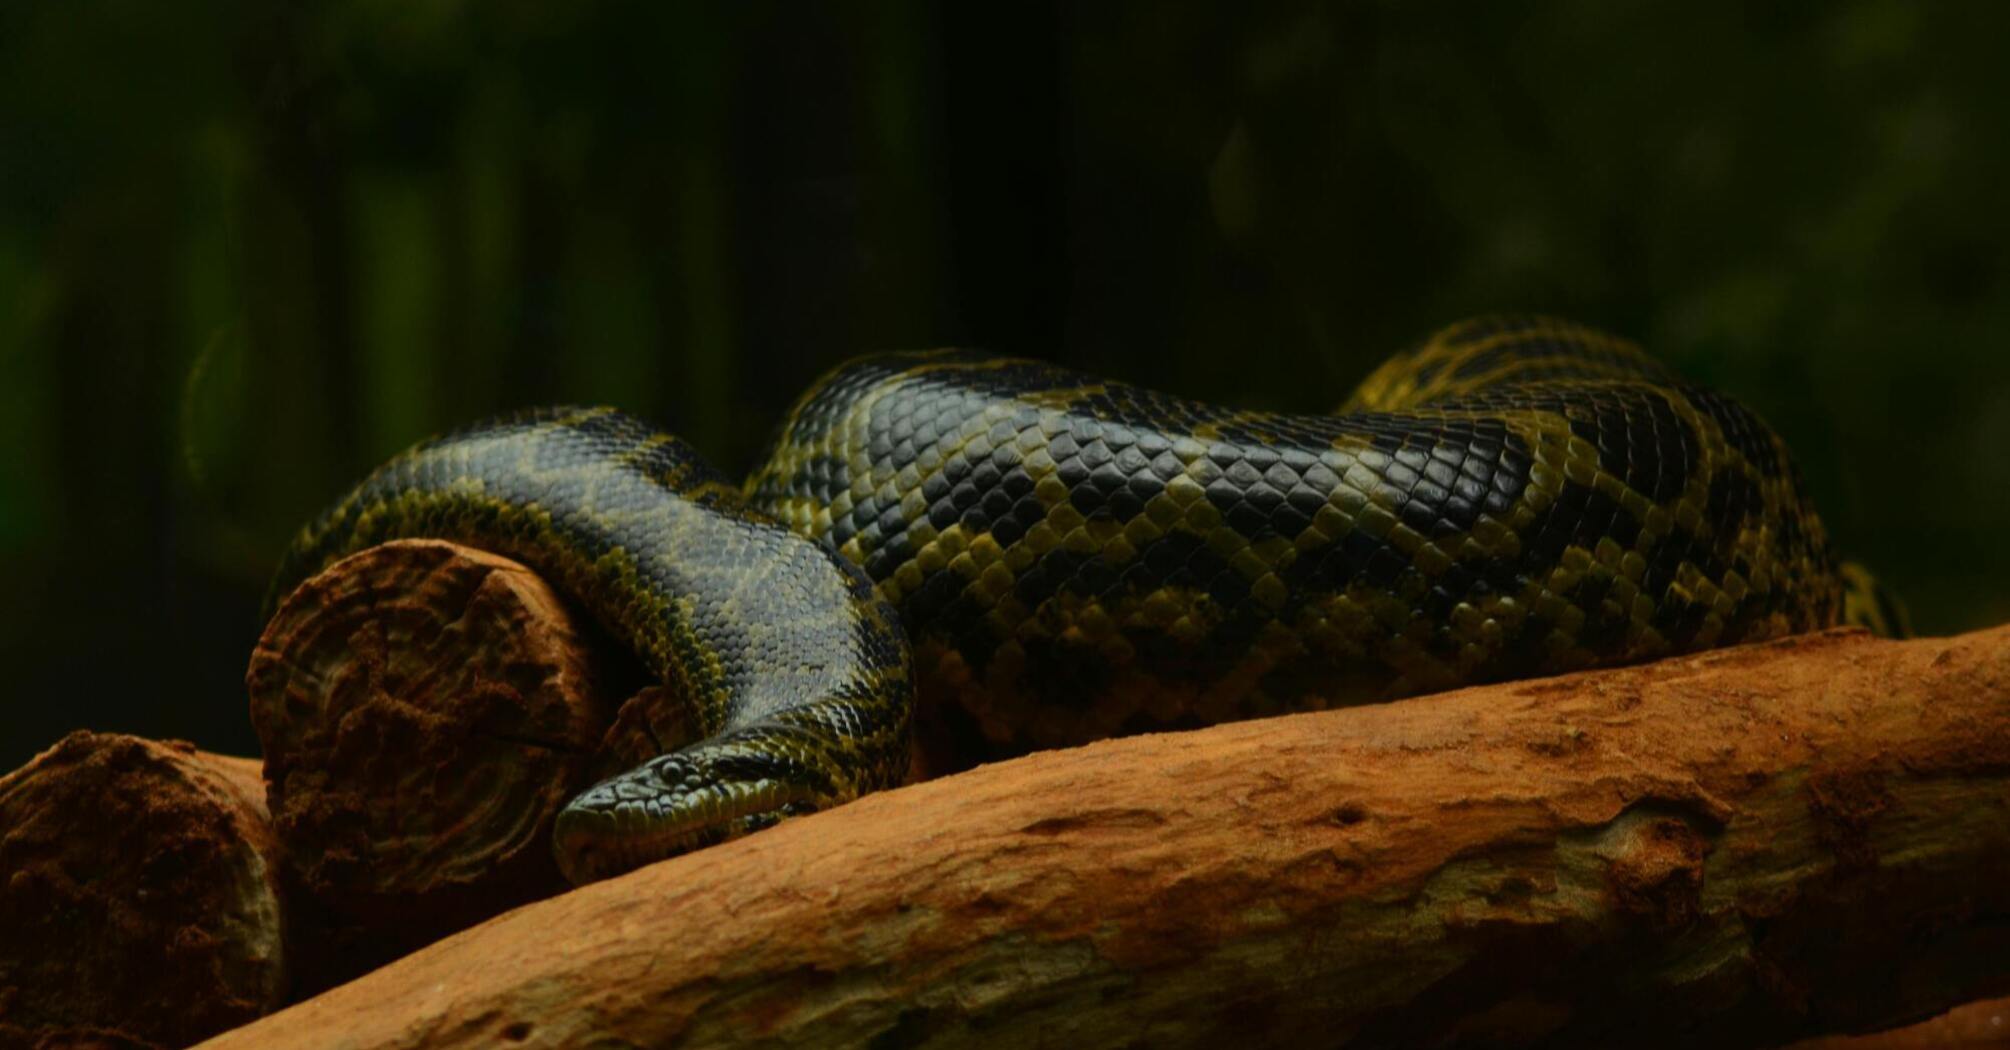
(249, 249)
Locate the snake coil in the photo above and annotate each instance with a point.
(1043, 557)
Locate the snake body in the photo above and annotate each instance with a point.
(991, 555)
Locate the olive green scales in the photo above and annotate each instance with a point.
(1010, 555)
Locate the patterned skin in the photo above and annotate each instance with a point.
(1072, 558)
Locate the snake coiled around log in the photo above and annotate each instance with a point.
(990, 555)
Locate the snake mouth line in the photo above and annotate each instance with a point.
(593, 843)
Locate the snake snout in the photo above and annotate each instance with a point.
(669, 805)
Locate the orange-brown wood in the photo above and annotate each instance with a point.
(1982, 1025)
(1737, 848)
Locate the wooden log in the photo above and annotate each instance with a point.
(1731, 849)
(1981, 1025)
(425, 710)
(140, 901)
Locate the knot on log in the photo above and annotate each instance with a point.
(1655, 870)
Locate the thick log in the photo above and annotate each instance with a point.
(1975, 1026)
(140, 903)
(1737, 848)
(424, 709)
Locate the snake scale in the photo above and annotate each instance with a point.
(977, 556)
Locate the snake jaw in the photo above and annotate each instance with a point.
(669, 805)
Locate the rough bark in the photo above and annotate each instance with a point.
(140, 903)
(424, 709)
(1737, 848)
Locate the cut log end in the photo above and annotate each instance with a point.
(425, 710)
(141, 903)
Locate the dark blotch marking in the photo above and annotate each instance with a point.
(1743, 430)
(1734, 496)
(1639, 438)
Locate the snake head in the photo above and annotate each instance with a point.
(678, 802)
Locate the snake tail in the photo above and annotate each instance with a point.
(796, 675)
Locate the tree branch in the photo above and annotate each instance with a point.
(1736, 848)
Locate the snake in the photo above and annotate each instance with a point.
(946, 558)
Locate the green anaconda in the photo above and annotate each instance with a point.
(998, 554)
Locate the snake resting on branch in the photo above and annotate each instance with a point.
(983, 556)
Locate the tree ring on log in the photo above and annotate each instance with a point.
(425, 710)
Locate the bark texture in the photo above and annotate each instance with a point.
(1738, 848)
(424, 709)
(139, 896)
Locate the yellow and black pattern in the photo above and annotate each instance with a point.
(1073, 558)
(1077, 558)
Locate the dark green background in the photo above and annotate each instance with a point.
(249, 249)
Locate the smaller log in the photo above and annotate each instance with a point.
(425, 710)
(141, 904)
